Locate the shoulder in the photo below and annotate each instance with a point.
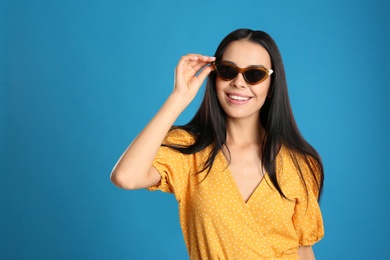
(296, 159)
(295, 167)
(179, 136)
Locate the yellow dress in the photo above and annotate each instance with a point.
(218, 224)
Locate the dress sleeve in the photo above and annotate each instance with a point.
(173, 166)
(303, 191)
(307, 216)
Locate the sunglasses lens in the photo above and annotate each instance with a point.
(226, 72)
(255, 75)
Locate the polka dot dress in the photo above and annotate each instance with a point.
(218, 224)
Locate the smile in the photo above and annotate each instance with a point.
(239, 98)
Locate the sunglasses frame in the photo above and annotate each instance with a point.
(242, 71)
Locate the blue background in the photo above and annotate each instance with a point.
(79, 80)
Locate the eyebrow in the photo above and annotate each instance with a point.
(250, 66)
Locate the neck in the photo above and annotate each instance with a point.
(244, 132)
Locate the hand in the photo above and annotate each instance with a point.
(190, 73)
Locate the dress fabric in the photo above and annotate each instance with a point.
(218, 224)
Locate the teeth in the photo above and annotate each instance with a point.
(239, 98)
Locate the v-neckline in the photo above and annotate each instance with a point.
(234, 183)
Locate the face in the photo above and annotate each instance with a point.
(239, 99)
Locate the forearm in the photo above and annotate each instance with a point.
(133, 168)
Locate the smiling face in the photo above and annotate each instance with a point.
(238, 98)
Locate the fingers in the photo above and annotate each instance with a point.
(194, 62)
(198, 57)
(204, 73)
(202, 69)
(191, 72)
(203, 61)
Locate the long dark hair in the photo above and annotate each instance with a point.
(208, 126)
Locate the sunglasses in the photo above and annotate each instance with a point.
(227, 70)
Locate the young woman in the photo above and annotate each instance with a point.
(247, 182)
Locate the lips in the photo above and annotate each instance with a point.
(238, 98)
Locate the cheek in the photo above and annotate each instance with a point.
(220, 85)
(263, 88)
(219, 89)
(268, 89)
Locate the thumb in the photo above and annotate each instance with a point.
(204, 73)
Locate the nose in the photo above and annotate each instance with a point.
(239, 81)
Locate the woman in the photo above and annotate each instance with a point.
(247, 182)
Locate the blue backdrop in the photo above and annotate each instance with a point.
(80, 79)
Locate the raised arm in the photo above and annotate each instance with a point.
(134, 168)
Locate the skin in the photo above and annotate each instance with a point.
(243, 136)
(134, 171)
(243, 122)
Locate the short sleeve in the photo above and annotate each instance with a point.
(303, 190)
(307, 216)
(173, 166)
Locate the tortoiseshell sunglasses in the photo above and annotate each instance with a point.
(253, 75)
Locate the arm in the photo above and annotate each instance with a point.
(134, 168)
(306, 253)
